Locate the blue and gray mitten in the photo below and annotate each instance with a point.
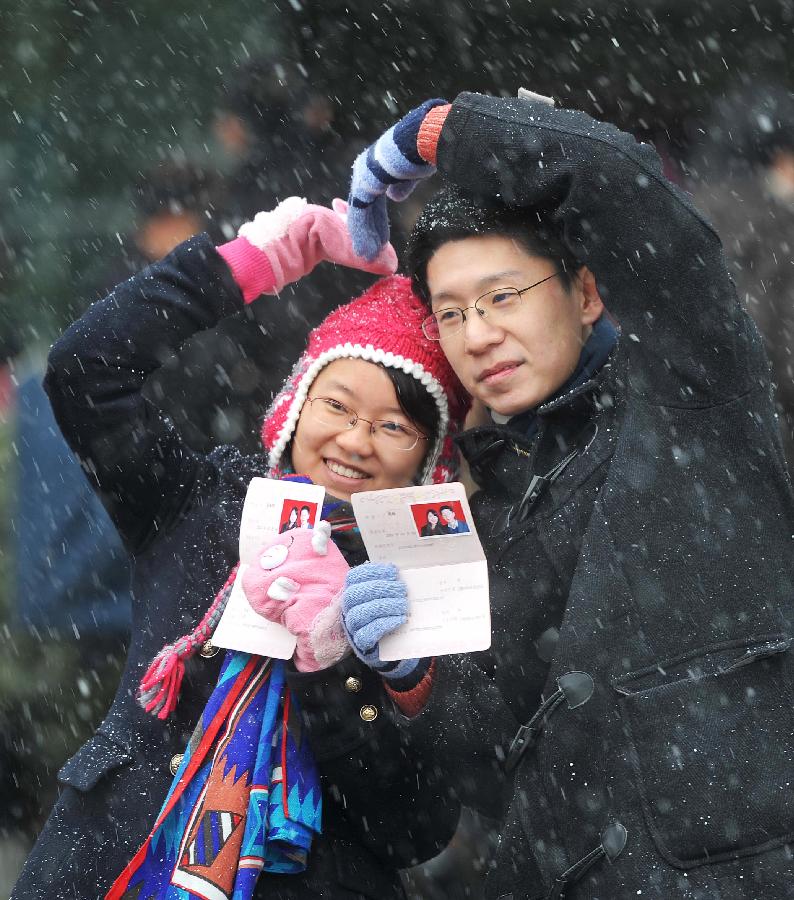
(390, 167)
(375, 603)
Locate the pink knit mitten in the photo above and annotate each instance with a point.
(297, 580)
(283, 245)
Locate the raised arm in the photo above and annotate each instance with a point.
(658, 264)
(133, 456)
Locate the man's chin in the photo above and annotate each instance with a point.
(517, 398)
(507, 407)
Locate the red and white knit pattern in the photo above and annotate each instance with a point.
(382, 326)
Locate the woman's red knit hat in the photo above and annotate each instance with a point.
(383, 325)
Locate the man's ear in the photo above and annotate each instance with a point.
(590, 303)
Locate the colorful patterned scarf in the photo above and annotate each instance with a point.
(245, 799)
(247, 795)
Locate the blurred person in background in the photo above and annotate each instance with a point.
(64, 592)
(277, 127)
(743, 179)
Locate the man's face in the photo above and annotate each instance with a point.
(515, 362)
(449, 516)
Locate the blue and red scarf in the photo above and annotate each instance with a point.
(245, 799)
(247, 796)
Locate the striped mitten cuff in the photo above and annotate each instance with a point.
(390, 167)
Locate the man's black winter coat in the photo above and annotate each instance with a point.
(661, 557)
(642, 604)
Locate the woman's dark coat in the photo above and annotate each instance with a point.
(658, 565)
(178, 513)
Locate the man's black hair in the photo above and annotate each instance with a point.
(308, 510)
(452, 215)
(442, 508)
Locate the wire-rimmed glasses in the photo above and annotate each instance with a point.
(394, 435)
(444, 323)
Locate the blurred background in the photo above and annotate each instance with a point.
(127, 127)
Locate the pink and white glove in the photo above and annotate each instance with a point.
(281, 246)
(297, 581)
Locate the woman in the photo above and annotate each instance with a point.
(292, 520)
(431, 527)
(179, 515)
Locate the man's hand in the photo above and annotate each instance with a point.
(391, 167)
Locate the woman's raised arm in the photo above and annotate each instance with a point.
(133, 455)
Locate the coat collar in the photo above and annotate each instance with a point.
(500, 454)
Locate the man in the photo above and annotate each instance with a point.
(451, 523)
(635, 507)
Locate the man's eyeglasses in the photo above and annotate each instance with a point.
(499, 302)
(393, 435)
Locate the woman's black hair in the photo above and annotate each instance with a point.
(453, 215)
(427, 514)
(415, 401)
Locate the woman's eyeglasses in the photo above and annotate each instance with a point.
(394, 435)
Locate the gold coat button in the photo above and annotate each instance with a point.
(368, 713)
(208, 650)
(353, 684)
(176, 762)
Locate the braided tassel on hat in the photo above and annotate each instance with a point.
(158, 692)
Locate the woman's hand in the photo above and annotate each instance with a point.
(375, 603)
(296, 581)
(281, 246)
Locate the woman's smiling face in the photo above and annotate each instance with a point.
(347, 460)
